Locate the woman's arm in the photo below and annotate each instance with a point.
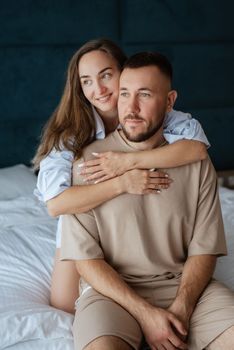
(111, 164)
(187, 144)
(172, 155)
(54, 185)
(81, 198)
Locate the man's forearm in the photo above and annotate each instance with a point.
(197, 273)
(104, 279)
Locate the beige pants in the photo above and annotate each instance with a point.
(100, 316)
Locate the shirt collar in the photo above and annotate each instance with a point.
(100, 128)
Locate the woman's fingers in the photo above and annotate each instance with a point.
(160, 174)
(93, 162)
(101, 179)
(152, 184)
(157, 187)
(95, 176)
(90, 170)
(89, 163)
(159, 183)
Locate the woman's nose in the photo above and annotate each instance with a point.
(100, 88)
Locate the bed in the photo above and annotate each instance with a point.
(27, 245)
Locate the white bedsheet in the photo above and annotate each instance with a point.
(42, 344)
(225, 265)
(27, 246)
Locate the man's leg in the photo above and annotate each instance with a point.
(99, 320)
(212, 321)
(224, 341)
(108, 343)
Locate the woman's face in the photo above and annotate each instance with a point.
(99, 78)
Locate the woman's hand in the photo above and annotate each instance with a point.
(106, 166)
(144, 181)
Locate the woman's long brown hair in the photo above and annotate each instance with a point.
(72, 126)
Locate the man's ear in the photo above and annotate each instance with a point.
(171, 98)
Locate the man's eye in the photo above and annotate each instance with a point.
(144, 94)
(124, 94)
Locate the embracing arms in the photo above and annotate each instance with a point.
(54, 185)
(111, 164)
(123, 175)
(78, 199)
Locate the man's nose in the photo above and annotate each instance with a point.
(133, 105)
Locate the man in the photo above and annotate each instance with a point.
(147, 261)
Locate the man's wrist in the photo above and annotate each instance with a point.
(182, 306)
(139, 310)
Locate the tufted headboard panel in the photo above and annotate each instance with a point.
(38, 38)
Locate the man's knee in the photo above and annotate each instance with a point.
(108, 343)
(223, 341)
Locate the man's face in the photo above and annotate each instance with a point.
(143, 102)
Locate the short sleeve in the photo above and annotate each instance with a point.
(208, 233)
(80, 237)
(55, 174)
(179, 125)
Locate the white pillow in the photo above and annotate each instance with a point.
(16, 181)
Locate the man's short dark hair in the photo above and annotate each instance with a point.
(147, 58)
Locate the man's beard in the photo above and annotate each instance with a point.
(151, 130)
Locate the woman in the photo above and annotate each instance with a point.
(88, 110)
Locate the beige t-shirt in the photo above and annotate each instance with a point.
(148, 237)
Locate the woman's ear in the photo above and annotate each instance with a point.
(171, 98)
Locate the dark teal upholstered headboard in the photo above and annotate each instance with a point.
(38, 38)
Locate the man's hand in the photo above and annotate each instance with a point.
(162, 329)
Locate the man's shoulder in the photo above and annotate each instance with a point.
(208, 170)
(194, 174)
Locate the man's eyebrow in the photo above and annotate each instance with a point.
(144, 89)
(141, 89)
(101, 71)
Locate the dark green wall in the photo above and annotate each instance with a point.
(38, 38)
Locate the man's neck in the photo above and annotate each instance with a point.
(153, 142)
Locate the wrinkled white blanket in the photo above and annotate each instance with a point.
(27, 246)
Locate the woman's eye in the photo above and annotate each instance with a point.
(106, 76)
(87, 82)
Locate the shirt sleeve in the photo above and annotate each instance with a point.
(80, 237)
(208, 233)
(179, 125)
(54, 175)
